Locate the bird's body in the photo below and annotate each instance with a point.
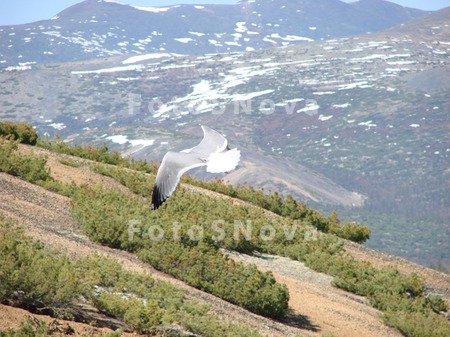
(212, 152)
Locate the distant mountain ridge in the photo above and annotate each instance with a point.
(100, 28)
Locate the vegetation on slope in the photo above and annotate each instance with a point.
(30, 168)
(19, 131)
(124, 221)
(106, 216)
(42, 280)
(113, 218)
(287, 207)
(290, 208)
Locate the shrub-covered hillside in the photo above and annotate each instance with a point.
(189, 235)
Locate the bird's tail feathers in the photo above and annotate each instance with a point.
(223, 161)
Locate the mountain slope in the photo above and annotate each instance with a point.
(318, 307)
(93, 28)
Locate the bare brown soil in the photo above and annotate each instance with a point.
(316, 306)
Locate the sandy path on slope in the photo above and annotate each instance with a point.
(321, 306)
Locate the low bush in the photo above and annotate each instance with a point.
(28, 328)
(23, 132)
(99, 154)
(416, 324)
(30, 168)
(137, 182)
(31, 276)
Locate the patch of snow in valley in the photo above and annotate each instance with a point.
(208, 97)
(246, 97)
(121, 139)
(137, 67)
(184, 39)
(140, 58)
(345, 105)
(233, 43)
(310, 108)
(290, 38)
(197, 33)
(127, 79)
(369, 124)
(325, 118)
(215, 43)
(142, 142)
(321, 93)
(53, 33)
(58, 126)
(361, 84)
(21, 67)
(391, 63)
(240, 27)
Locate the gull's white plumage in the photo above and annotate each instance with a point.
(212, 152)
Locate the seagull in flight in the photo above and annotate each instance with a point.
(212, 152)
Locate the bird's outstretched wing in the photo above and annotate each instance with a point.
(173, 165)
(212, 152)
(212, 142)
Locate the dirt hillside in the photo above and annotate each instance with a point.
(317, 307)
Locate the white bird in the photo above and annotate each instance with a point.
(212, 152)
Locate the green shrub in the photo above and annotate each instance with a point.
(71, 163)
(145, 303)
(416, 324)
(205, 325)
(103, 214)
(401, 297)
(350, 231)
(32, 276)
(142, 315)
(28, 328)
(99, 154)
(28, 167)
(137, 182)
(23, 132)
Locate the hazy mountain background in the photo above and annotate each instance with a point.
(321, 108)
(93, 28)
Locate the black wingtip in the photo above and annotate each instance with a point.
(157, 198)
